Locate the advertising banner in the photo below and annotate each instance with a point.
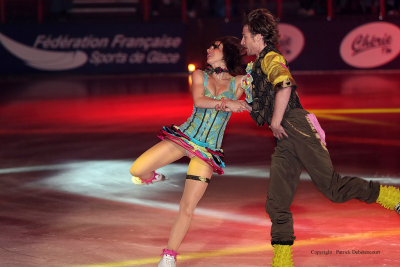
(337, 45)
(371, 45)
(127, 48)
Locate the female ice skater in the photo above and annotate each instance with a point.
(199, 138)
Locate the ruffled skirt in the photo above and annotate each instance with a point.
(194, 147)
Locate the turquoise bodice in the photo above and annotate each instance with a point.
(206, 126)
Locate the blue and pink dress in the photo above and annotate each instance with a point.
(201, 135)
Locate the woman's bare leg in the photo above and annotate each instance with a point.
(192, 194)
(159, 155)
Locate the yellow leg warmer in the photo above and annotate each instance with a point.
(282, 256)
(389, 197)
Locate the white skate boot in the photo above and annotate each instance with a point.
(168, 258)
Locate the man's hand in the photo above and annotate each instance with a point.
(278, 131)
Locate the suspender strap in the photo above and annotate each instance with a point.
(198, 178)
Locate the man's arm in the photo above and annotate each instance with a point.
(274, 66)
(281, 102)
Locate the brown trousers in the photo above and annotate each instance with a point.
(303, 148)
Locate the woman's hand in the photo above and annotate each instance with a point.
(233, 105)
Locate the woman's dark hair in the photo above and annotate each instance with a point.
(233, 53)
(263, 22)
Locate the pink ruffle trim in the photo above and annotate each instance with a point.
(317, 126)
(169, 252)
(150, 180)
(192, 152)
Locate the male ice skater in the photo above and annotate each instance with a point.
(271, 92)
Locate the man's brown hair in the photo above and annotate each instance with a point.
(263, 22)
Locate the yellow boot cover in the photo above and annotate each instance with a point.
(389, 197)
(136, 180)
(282, 256)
